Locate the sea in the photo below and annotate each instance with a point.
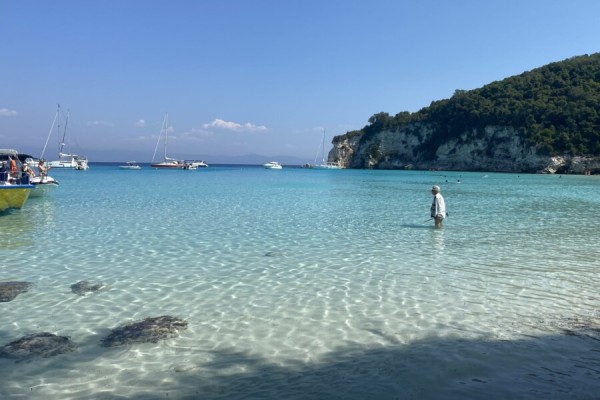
(307, 284)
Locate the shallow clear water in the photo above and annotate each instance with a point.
(308, 284)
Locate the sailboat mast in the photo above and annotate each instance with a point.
(166, 134)
(61, 144)
(162, 128)
(58, 129)
(49, 133)
(323, 145)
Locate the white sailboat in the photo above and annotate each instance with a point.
(324, 164)
(65, 160)
(167, 162)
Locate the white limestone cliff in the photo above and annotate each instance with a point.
(495, 148)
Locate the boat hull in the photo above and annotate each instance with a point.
(14, 196)
(42, 186)
(166, 166)
(195, 164)
(62, 164)
(73, 163)
(326, 166)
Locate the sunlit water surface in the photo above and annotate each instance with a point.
(308, 284)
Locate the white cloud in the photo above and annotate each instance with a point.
(5, 112)
(140, 124)
(234, 126)
(99, 123)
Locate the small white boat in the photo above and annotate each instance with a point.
(189, 166)
(82, 163)
(195, 164)
(272, 165)
(130, 165)
(43, 185)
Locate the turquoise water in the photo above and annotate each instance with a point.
(308, 284)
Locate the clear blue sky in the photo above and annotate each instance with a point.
(258, 76)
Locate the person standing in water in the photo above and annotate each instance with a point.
(438, 207)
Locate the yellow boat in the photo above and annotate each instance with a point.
(14, 190)
(14, 196)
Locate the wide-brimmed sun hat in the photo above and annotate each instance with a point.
(436, 188)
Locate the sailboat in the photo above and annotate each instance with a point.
(65, 160)
(324, 164)
(167, 162)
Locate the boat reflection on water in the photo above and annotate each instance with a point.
(16, 232)
(20, 228)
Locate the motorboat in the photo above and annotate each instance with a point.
(13, 195)
(43, 184)
(82, 163)
(195, 164)
(130, 165)
(14, 186)
(273, 165)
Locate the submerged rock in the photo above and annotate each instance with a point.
(147, 330)
(583, 326)
(83, 287)
(42, 344)
(10, 290)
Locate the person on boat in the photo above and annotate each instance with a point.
(13, 167)
(438, 207)
(3, 172)
(26, 169)
(42, 169)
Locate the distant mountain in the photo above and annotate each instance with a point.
(544, 120)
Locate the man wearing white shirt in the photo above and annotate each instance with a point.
(438, 207)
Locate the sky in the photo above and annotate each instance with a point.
(256, 77)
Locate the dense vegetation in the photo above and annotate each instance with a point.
(556, 108)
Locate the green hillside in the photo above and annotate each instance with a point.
(556, 108)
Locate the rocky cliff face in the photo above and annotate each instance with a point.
(495, 149)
